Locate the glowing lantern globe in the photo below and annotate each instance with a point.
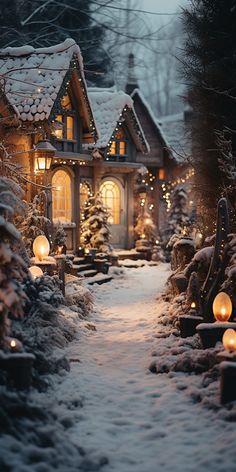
(222, 307)
(35, 271)
(41, 247)
(193, 305)
(229, 340)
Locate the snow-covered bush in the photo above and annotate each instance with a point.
(79, 296)
(95, 228)
(200, 263)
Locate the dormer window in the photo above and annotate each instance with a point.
(65, 127)
(118, 147)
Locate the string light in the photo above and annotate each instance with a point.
(168, 187)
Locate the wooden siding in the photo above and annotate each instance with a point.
(155, 157)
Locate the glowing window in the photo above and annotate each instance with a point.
(110, 193)
(161, 174)
(122, 146)
(69, 127)
(59, 130)
(61, 197)
(119, 145)
(113, 148)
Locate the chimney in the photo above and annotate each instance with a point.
(132, 82)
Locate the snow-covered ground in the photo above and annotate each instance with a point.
(110, 413)
(132, 420)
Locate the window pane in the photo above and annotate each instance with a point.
(59, 124)
(69, 127)
(111, 197)
(122, 147)
(113, 148)
(61, 197)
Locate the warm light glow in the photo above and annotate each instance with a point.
(61, 199)
(86, 251)
(35, 271)
(229, 340)
(13, 344)
(142, 236)
(41, 247)
(148, 221)
(222, 307)
(111, 197)
(161, 174)
(193, 305)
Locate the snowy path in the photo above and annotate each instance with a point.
(137, 421)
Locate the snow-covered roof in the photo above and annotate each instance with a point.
(108, 106)
(177, 136)
(138, 92)
(32, 78)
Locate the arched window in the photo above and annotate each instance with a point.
(61, 197)
(110, 193)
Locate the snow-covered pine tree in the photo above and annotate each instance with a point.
(145, 227)
(59, 239)
(178, 220)
(12, 267)
(95, 227)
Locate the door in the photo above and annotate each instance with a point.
(113, 197)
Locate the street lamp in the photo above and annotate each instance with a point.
(44, 153)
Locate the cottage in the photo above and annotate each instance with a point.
(45, 95)
(170, 148)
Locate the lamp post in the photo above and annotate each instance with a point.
(43, 156)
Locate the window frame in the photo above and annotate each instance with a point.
(117, 156)
(64, 144)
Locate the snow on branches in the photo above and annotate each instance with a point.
(12, 267)
(95, 228)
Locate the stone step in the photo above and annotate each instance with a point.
(99, 279)
(83, 267)
(80, 260)
(88, 273)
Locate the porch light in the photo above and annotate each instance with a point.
(222, 307)
(229, 340)
(44, 153)
(41, 247)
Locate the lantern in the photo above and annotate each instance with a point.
(41, 247)
(44, 153)
(35, 271)
(193, 305)
(222, 307)
(229, 340)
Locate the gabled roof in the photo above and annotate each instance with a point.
(177, 135)
(111, 107)
(33, 79)
(137, 92)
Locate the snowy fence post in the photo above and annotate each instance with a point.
(218, 262)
